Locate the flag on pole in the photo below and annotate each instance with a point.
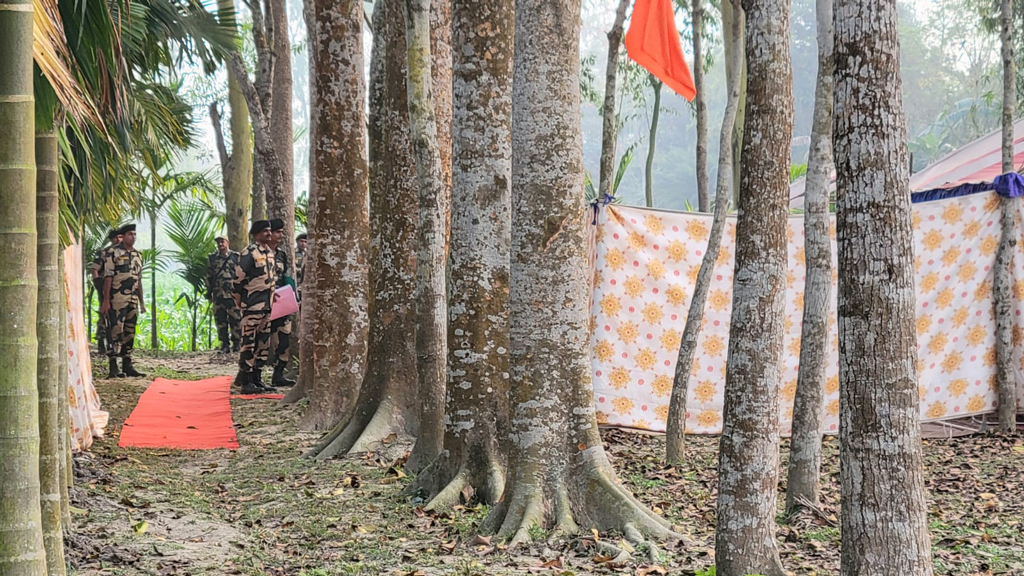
(653, 42)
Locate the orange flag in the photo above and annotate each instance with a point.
(653, 42)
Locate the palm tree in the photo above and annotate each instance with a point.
(192, 232)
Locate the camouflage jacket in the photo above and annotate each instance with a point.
(300, 267)
(220, 275)
(283, 266)
(255, 278)
(124, 268)
(97, 266)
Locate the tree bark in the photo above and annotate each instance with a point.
(675, 437)
(154, 337)
(884, 519)
(386, 402)
(481, 232)
(802, 480)
(700, 103)
(748, 466)
(609, 130)
(48, 334)
(434, 200)
(281, 199)
(730, 11)
(559, 474)
(652, 140)
(21, 536)
(338, 319)
(1003, 280)
(236, 169)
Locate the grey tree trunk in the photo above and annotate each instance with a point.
(748, 466)
(675, 437)
(884, 518)
(236, 168)
(559, 475)
(386, 401)
(730, 11)
(48, 333)
(1003, 280)
(609, 130)
(434, 207)
(337, 316)
(701, 105)
(477, 405)
(154, 336)
(281, 199)
(652, 141)
(802, 482)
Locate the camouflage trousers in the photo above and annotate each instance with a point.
(281, 338)
(102, 331)
(121, 325)
(225, 314)
(255, 341)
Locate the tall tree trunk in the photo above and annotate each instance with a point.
(236, 169)
(609, 130)
(802, 482)
(48, 333)
(675, 437)
(731, 43)
(259, 191)
(154, 339)
(21, 535)
(1008, 242)
(434, 201)
(386, 402)
(748, 467)
(700, 103)
(559, 474)
(338, 320)
(652, 141)
(478, 306)
(884, 511)
(281, 199)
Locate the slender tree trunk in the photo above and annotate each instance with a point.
(48, 333)
(236, 169)
(259, 192)
(652, 140)
(730, 11)
(63, 409)
(700, 103)
(154, 340)
(386, 402)
(675, 439)
(338, 320)
(885, 514)
(802, 483)
(609, 130)
(1008, 243)
(21, 535)
(559, 474)
(748, 466)
(434, 200)
(478, 306)
(281, 199)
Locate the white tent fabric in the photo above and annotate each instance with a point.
(87, 421)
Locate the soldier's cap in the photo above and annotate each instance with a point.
(302, 236)
(114, 233)
(276, 224)
(259, 226)
(126, 229)
(219, 238)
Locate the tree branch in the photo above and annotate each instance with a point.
(222, 151)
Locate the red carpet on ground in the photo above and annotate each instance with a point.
(190, 415)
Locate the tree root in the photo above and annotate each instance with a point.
(356, 437)
(444, 490)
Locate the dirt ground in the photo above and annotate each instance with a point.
(263, 509)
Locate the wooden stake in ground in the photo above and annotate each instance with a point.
(386, 405)
(337, 316)
(884, 511)
(477, 405)
(749, 450)
(803, 479)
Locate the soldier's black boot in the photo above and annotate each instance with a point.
(257, 376)
(130, 370)
(249, 383)
(114, 371)
(236, 346)
(279, 380)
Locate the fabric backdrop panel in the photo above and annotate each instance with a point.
(645, 267)
(87, 420)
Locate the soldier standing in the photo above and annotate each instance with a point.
(281, 327)
(97, 274)
(254, 293)
(122, 301)
(300, 260)
(220, 290)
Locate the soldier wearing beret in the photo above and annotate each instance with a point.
(97, 274)
(254, 284)
(122, 301)
(220, 291)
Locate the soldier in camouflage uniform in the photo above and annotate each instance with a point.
(254, 293)
(301, 241)
(220, 290)
(96, 273)
(281, 327)
(123, 301)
